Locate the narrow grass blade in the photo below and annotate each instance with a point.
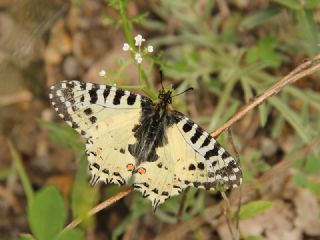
(22, 173)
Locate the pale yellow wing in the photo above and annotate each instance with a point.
(105, 117)
(191, 158)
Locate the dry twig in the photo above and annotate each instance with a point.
(305, 69)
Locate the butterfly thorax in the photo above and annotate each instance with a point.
(150, 133)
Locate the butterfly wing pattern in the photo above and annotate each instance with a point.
(104, 116)
(191, 158)
(130, 137)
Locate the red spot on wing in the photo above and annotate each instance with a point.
(141, 170)
(130, 167)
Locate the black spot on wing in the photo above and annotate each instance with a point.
(117, 98)
(213, 151)
(74, 108)
(96, 165)
(83, 86)
(93, 119)
(206, 142)
(196, 136)
(192, 167)
(93, 95)
(165, 194)
(70, 84)
(201, 165)
(88, 111)
(131, 99)
(196, 184)
(74, 125)
(106, 93)
(187, 127)
(225, 155)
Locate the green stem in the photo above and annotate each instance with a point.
(22, 173)
(125, 23)
(128, 34)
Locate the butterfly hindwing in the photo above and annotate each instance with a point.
(190, 158)
(105, 117)
(107, 149)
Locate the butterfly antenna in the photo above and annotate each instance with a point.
(187, 90)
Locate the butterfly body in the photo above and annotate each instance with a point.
(130, 137)
(150, 133)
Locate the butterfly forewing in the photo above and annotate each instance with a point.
(222, 170)
(105, 117)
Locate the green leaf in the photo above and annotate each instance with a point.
(300, 179)
(25, 237)
(292, 4)
(254, 208)
(46, 213)
(71, 234)
(311, 4)
(292, 117)
(263, 114)
(312, 165)
(64, 135)
(310, 31)
(252, 238)
(265, 51)
(260, 17)
(314, 187)
(80, 204)
(252, 55)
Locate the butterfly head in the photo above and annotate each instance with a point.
(165, 97)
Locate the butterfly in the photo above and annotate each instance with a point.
(132, 140)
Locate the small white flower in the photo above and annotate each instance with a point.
(150, 49)
(102, 73)
(138, 58)
(138, 55)
(126, 47)
(138, 40)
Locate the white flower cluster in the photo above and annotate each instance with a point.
(138, 54)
